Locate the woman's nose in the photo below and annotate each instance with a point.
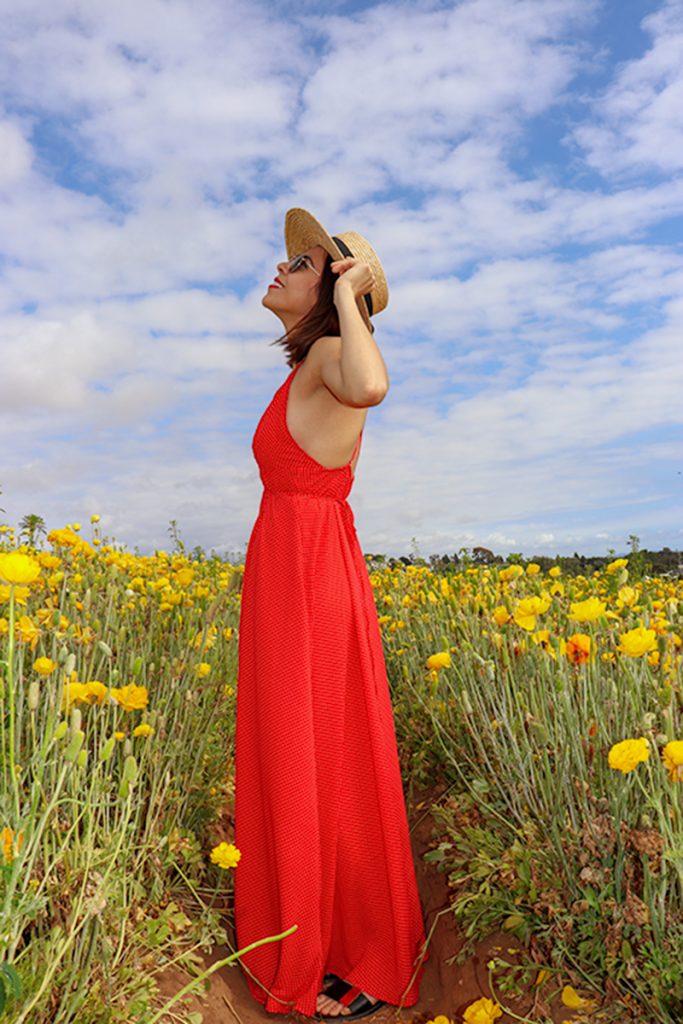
(282, 267)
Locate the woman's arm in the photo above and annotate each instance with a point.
(355, 371)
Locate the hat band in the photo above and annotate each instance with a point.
(345, 251)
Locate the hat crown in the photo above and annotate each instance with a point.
(303, 231)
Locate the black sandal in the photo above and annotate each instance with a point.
(351, 996)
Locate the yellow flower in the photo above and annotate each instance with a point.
(202, 669)
(441, 1019)
(554, 571)
(44, 666)
(532, 569)
(131, 697)
(184, 577)
(570, 997)
(672, 755)
(74, 693)
(28, 631)
(627, 596)
(511, 573)
(17, 568)
(625, 756)
(94, 518)
(637, 642)
(440, 660)
(542, 637)
(225, 855)
(501, 615)
(143, 730)
(587, 611)
(617, 565)
(484, 1011)
(527, 610)
(95, 692)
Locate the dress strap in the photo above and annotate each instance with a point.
(357, 447)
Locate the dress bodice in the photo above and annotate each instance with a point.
(283, 464)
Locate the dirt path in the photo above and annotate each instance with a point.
(446, 988)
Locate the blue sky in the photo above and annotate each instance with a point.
(517, 164)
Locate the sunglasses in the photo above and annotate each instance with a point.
(297, 262)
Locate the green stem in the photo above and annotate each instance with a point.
(506, 1009)
(10, 686)
(214, 967)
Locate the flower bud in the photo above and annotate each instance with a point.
(75, 744)
(108, 749)
(130, 769)
(61, 730)
(76, 717)
(33, 694)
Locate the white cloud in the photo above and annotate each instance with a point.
(638, 121)
(533, 331)
(16, 154)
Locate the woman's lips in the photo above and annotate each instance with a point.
(277, 283)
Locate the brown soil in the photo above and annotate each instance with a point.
(446, 987)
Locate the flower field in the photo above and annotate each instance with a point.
(553, 706)
(549, 705)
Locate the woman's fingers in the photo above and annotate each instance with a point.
(356, 273)
(337, 265)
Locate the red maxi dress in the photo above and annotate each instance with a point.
(320, 816)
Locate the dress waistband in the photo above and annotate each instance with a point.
(342, 504)
(306, 494)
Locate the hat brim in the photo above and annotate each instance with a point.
(303, 231)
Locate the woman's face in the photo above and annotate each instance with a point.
(293, 293)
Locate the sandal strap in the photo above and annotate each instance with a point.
(350, 996)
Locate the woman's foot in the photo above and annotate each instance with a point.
(331, 1007)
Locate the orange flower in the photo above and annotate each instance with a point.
(578, 648)
(7, 843)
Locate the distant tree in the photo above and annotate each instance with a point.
(175, 537)
(30, 526)
(638, 565)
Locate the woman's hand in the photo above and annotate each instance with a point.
(354, 275)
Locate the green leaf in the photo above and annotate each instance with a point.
(13, 977)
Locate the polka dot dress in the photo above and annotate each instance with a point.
(320, 815)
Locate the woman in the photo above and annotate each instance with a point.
(320, 816)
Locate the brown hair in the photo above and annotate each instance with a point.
(321, 321)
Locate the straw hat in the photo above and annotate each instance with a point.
(303, 231)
